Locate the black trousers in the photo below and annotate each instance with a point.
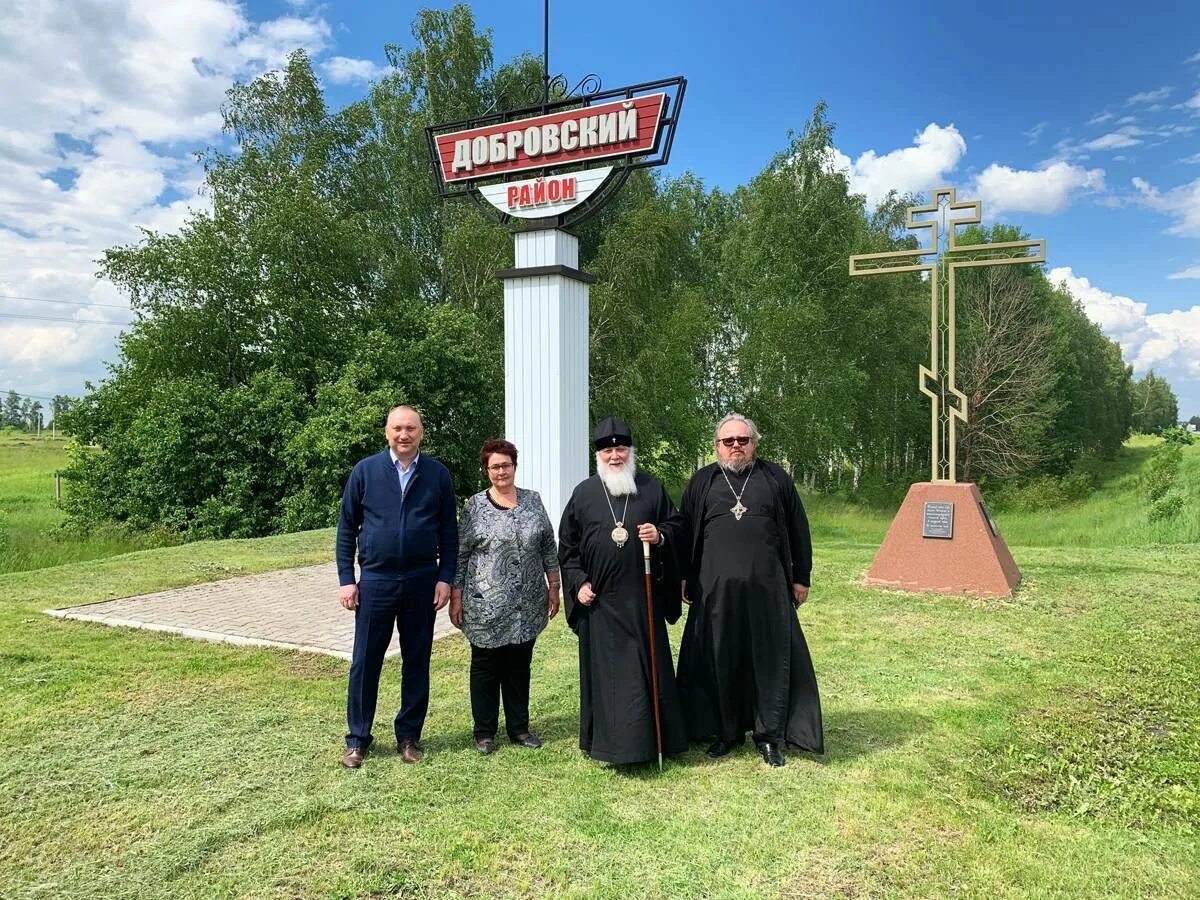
(407, 607)
(500, 671)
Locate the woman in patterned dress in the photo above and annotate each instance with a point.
(506, 590)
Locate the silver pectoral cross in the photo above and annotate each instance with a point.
(738, 510)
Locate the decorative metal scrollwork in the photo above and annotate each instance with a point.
(556, 88)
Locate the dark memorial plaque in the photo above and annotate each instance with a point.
(938, 521)
(987, 517)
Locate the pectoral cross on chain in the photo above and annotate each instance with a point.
(943, 256)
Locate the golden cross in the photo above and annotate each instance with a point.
(948, 405)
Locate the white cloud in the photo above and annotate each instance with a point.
(1046, 190)
(1195, 57)
(1170, 131)
(1189, 272)
(105, 101)
(1192, 102)
(1036, 132)
(1192, 160)
(344, 70)
(1167, 342)
(1114, 140)
(1100, 118)
(1129, 134)
(1180, 203)
(1155, 96)
(917, 169)
(936, 152)
(268, 46)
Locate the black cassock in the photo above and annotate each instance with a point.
(744, 664)
(616, 715)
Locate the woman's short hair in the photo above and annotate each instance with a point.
(496, 445)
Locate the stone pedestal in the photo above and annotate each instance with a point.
(546, 364)
(917, 554)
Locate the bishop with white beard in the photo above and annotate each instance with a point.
(600, 553)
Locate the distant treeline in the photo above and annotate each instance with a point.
(329, 282)
(28, 413)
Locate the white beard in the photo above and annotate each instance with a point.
(736, 467)
(619, 481)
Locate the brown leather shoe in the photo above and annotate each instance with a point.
(354, 757)
(410, 751)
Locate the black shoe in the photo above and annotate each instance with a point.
(526, 739)
(723, 748)
(485, 745)
(772, 753)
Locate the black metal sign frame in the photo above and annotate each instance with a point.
(658, 155)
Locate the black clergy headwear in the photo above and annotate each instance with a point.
(612, 432)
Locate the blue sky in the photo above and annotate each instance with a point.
(1078, 121)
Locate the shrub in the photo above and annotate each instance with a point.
(1043, 492)
(1168, 506)
(874, 491)
(1159, 475)
(1178, 435)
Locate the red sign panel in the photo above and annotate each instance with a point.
(620, 128)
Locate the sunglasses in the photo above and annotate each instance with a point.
(741, 440)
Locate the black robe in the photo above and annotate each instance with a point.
(744, 664)
(616, 715)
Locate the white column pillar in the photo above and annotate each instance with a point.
(546, 365)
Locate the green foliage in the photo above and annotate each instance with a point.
(328, 282)
(1160, 473)
(1154, 405)
(649, 317)
(1178, 435)
(1092, 387)
(1168, 506)
(24, 413)
(326, 285)
(815, 357)
(1042, 492)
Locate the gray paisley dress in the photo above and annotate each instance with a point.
(504, 556)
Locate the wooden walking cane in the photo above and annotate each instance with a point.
(653, 658)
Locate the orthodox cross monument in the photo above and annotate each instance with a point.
(926, 549)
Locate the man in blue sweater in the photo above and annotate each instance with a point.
(399, 509)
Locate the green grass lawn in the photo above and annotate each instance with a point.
(30, 519)
(1041, 746)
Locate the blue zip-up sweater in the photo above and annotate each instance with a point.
(414, 535)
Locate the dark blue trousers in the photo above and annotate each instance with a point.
(406, 606)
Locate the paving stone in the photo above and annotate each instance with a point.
(291, 608)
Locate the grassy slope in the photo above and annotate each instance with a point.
(1041, 746)
(29, 519)
(1117, 515)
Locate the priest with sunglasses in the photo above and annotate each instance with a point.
(744, 664)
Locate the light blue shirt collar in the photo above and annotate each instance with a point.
(396, 461)
(405, 473)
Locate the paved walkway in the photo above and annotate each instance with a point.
(293, 608)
